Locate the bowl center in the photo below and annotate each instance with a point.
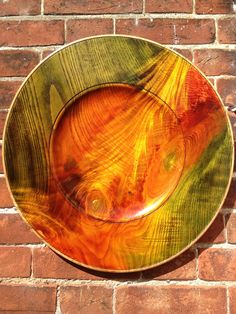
(117, 152)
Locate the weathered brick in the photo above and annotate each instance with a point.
(182, 267)
(47, 52)
(92, 7)
(13, 230)
(214, 6)
(58, 267)
(234, 153)
(77, 29)
(232, 300)
(27, 299)
(232, 119)
(169, 31)
(231, 228)
(230, 201)
(227, 90)
(169, 6)
(7, 92)
(17, 62)
(217, 264)
(19, 7)
(3, 116)
(215, 233)
(212, 80)
(5, 197)
(1, 163)
(31, 33)
(216, 61)
(15, 261)
(86, 299)
(170, 299)
(186, 53)
(227, 30)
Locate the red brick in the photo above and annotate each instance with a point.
(217, 264)
(19, 7)
(86, 299)
(77, 29)
(17, 62)
(47, 52)
(182, 267)
(230, 201)
(58, 267)
(232, 300)
(215, 233)
(231, 228)
(227, 90)
(1, 164)
(232, 119)
(5, 197)
(3, 116)
(186, 53)
(31, 33)
(169, 6)
(214, 6)
(234, 153)
(227, 30)
(216, 61)
(7, 92)
(211, 80)
(169, 31)
(92, 7)
(13, 230)
(15, 261)
(170, 299)
(27, 299)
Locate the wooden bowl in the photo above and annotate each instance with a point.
(118, 152)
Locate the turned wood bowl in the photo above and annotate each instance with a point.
(118, 153)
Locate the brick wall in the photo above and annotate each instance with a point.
(32, 277)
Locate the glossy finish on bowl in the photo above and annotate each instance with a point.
(118, 153)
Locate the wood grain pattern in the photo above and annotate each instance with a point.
(113, 143)
(118, 152)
